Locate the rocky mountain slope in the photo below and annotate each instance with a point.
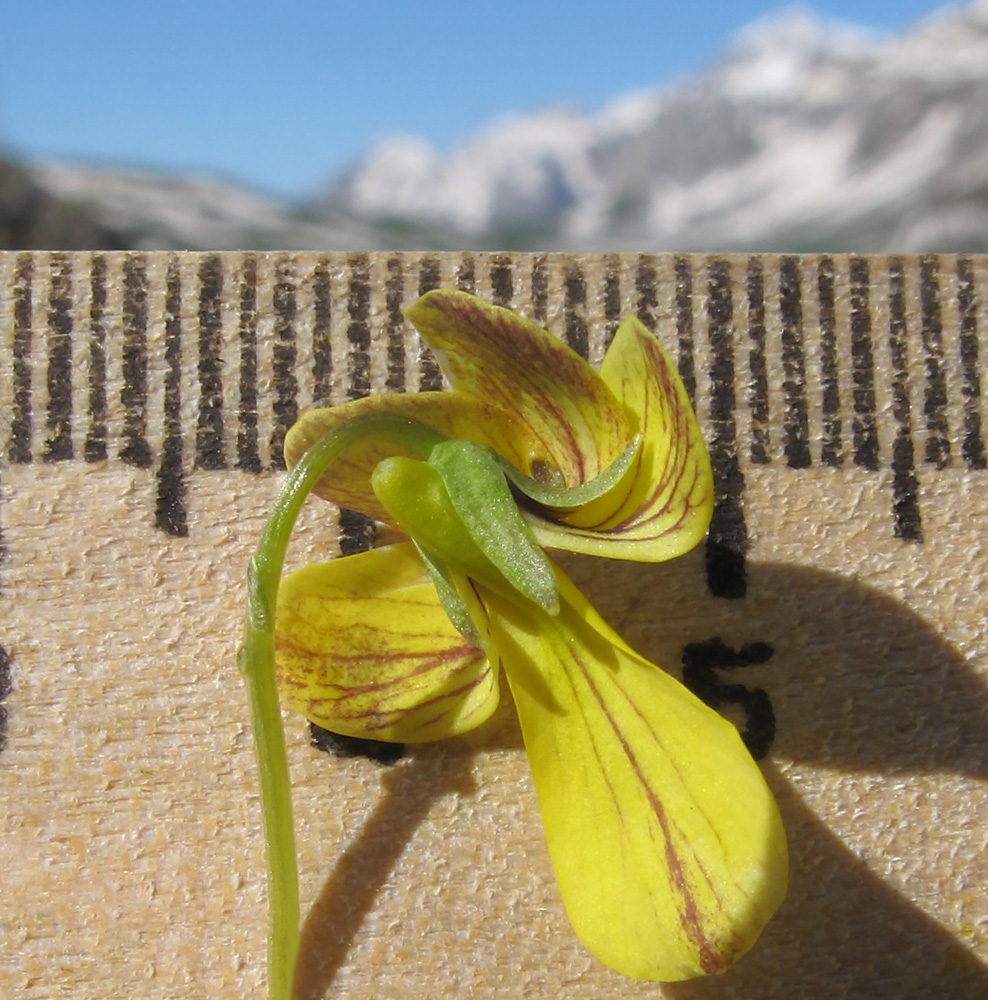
(803, 135)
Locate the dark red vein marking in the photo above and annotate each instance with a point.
(689, 913)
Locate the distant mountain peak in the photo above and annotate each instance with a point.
(778, 55)
(805, 131)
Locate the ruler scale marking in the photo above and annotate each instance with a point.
(865, 425)
(21, 432)
(796, 428)
(284, 358)
(16, 405)
(430, 377)
(758, 403)
(395, 325)
(134, 390)
(646, 304)
(6, 686)
(95, 447)
(466, 275)
(502, 285)
(356, 530)
(170, 511)
(612, 298)
(972, 448)
(831, 450)
(727, 539)
(935, 407)
(684, 325)
(540, 291)
(248, 444)
(905, 486)
(58, 446)
(358, 329)
(574, 307)
(210, 430)
(322, 346)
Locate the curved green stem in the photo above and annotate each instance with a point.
(257, 664)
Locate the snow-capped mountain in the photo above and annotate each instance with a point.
(805, 134)
(523, 167)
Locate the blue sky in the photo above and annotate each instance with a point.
(281, 95)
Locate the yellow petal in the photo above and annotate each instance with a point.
(347, 483)
(663, 506)
(493, 354)
(364, 648)
(666, 841)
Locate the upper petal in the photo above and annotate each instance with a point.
(666, 841)
(663, 506)
(493, 354)
(364, 648)
(456, 417)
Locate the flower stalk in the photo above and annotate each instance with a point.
(256, 661)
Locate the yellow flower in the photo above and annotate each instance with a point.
(665, 840)
(553, 418)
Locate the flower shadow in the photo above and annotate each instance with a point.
(863, 690)
(881, 718)
(841, 932)
(858, 681)
(409, 791)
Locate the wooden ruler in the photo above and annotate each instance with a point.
(837, 613)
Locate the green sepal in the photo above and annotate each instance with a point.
(550, 494)
(415, 497)
(450, 598)
(482, 499)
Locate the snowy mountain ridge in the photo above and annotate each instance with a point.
(802, 127)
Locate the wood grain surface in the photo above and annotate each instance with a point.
(143, 400)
